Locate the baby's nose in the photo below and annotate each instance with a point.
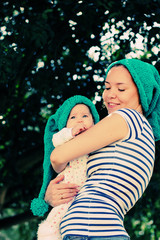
(80, 120)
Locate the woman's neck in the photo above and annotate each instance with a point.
(139, 109)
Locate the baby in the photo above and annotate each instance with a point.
(81, 117)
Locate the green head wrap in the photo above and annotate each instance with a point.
(56, 123)
(147, 80)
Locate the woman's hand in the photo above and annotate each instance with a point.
(58, 193)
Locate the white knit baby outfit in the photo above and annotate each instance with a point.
(75, 172)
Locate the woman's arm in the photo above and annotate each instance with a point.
(110, 129)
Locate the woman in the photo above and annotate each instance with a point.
(119, 172)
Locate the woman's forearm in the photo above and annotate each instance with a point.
(98, 136)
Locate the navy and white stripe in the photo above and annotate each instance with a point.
(117, 177)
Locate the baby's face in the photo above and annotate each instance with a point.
(80, 114)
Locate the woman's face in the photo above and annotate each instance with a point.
(120, 90)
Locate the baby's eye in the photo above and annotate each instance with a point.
(72, 117)
(107, 88)
(85, 116)
(121, 90)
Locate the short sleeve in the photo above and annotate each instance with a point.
(134, 121)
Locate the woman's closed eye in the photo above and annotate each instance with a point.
(107, 88)
(121, 90)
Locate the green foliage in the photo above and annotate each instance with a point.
(25, 231)
(51, 50)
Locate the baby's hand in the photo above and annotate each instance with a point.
(79, 128)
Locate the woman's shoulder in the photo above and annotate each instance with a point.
(128, 111)
(136, 121)
(131, 114)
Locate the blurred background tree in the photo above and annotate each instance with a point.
(49, 51)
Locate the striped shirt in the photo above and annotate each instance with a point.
(117, 177)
